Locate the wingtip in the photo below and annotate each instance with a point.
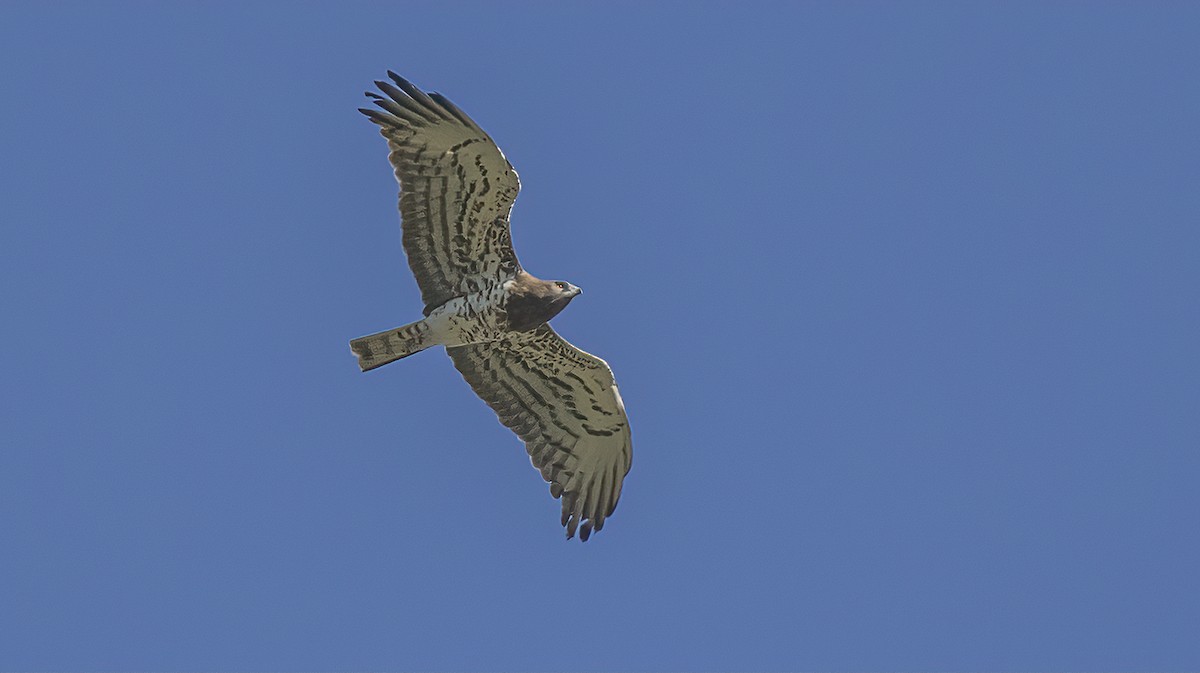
(398, 79)
(374, 115)
(387, 88)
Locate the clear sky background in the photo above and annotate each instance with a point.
(904, 301)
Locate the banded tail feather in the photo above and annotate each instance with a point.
(377, 350)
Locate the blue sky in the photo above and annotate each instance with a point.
(904, 301)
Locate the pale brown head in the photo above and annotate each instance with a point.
(533, 301)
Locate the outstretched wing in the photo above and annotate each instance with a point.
(456, 192)
(564, 404)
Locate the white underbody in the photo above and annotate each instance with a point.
(475, 318)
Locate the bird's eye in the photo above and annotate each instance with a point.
(561, 285)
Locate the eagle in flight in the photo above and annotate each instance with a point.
(456, 193)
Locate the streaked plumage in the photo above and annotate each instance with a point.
(456, 193)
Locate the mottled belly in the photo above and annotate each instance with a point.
(467, 320)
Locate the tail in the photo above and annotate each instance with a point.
(377, 350)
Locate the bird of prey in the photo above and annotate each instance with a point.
(456, 194)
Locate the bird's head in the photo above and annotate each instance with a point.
(533, 301)
(566, 290)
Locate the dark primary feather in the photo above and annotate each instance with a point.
(453, 109)
(414, 92)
